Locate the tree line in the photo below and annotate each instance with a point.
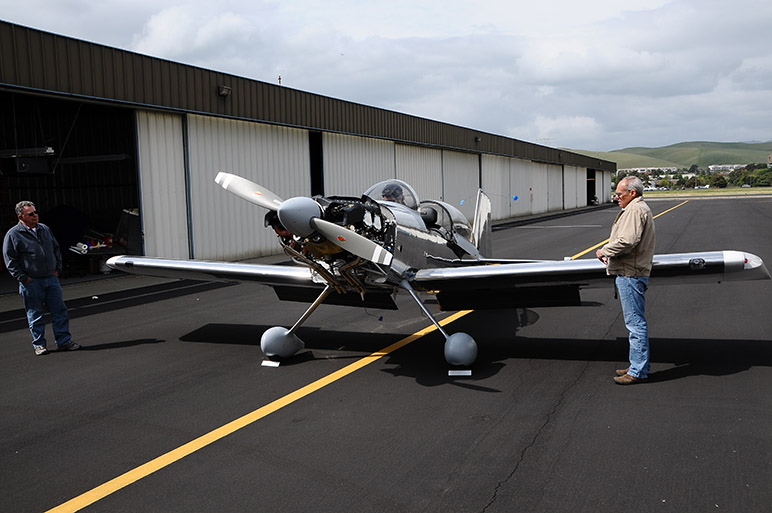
(755, 175)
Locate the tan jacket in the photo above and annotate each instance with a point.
(630, 249)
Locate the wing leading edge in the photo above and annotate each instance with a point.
(219, 271)
(557, 283)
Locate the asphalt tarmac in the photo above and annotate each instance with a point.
(167, 407)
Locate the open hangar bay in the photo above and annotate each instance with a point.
(539, 426)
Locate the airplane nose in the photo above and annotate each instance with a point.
(295, 215)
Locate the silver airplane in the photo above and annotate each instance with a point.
(362, 251)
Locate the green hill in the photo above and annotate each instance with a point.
(684, 155)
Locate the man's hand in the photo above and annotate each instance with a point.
(602, 258)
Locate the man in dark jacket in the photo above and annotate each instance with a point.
(33, 258)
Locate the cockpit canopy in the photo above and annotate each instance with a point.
(395, 191)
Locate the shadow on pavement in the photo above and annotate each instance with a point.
(16, 319)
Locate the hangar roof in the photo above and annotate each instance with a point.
(41, 62)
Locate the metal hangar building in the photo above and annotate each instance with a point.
(89, 132)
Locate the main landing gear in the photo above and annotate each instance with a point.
(460, 348)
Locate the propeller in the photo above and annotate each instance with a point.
(248, 190)
(302, 216)
(352, 242)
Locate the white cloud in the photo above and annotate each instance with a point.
(602, 74)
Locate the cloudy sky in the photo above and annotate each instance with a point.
(596, 75)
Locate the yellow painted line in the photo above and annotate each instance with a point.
(668, 210)
(596, 246)
(132, 476)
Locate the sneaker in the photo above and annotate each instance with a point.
(69, 346)
(41, 350)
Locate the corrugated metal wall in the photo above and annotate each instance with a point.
(575, 186)
(521, 180)
(163, 197)
(353, 164)
(422, 169)
(555, 187)
(226, 227)
(603, 181)
(497, 184)
(461, 179)
(539, 188)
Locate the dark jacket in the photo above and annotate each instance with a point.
(26, 255)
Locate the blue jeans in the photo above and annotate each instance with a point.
(48, 292)
(631, 295)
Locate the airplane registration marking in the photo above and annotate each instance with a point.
(154, 465)
(596, 246)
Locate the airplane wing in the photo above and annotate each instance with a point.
(557, 283)
(289, 282)
(473, 285)
(290, 275)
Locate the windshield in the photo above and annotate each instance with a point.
(395, 191)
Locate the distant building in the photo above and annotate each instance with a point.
(649, 169)
(725, 167)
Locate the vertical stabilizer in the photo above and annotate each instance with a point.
(481, 227)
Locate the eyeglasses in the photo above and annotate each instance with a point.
(32, 214)
(619, 194)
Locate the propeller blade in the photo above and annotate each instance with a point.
(248, 190)
(352, 242)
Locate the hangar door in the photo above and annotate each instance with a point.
(225, 227)
(163, 205)
(422, 169)
(574, 186)
(496, 182)
(521, 189)
(460, 180)
(352, 164)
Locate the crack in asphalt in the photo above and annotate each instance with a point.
(535, 439)
(543, 427)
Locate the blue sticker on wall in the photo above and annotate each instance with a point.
(514, 198)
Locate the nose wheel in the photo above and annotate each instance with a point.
(282, 342)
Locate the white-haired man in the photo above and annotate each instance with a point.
(628, 256)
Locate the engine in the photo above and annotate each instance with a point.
(363, 216)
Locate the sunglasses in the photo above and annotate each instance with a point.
(32, 214)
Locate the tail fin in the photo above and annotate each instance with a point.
(481, 226)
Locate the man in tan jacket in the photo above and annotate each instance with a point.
(628, 256)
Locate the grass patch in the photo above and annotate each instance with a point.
(729, 191)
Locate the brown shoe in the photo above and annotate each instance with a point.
(627, 379)
(622, 372)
